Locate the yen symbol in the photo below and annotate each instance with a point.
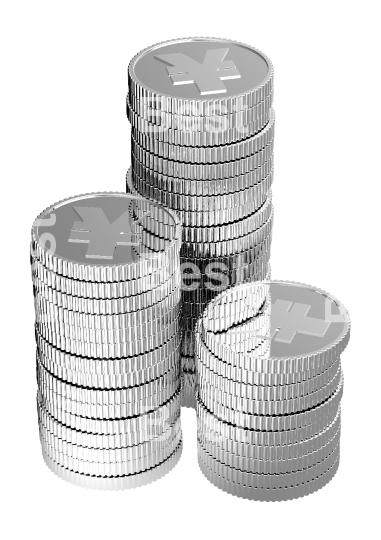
(288, 319)
(102, 236)
(207, 76)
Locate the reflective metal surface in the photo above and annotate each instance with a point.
(268, 389)
(202, 144)
(106, 281)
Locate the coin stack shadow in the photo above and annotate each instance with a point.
(211, 160)
(268, 413)
(108, 342)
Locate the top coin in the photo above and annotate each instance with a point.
(305, 325)
(200, 76)
(106, 237)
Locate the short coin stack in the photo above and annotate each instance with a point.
(106, 282)
(202, 144)
(269, 385)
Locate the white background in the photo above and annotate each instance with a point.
(64, 131)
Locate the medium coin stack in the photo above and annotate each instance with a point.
(106, 282)
(269, 385)
(202, 144)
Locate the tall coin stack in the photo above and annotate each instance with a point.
(106, 282)
(269, 385)
(202, 144)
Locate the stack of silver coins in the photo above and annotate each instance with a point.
(202, 144)
(269, 386)
(106, 281)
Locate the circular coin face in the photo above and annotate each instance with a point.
(294, 320)
(200, 69)
(106, 229)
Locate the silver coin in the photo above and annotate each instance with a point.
(55, 318)
(108, 367)
(138, 429)
(212, 136)
(226, 248)
(109, 306)
(47, 325)
(230, 76)
(103, 290)
(240, 443)
(91, 237)
(256, 437)
(104, 379)
(269, 481)
(211, 154)
(54, 402)
(233, 230)
(262, 422)
(279, 467)
(203, 182)
(215, 121)
(299, 381)
(107, 348)
(100, 462)
(139, 442)
(208, 218)
(270, 494)
(204, 203)
(115, 483)
(200, 172)
(308, 327)
(214, 397)
(47, 311)
(268, 392)
(104, 396)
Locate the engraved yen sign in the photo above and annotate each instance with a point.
(207, 76)
(288, 319)
(101, 235)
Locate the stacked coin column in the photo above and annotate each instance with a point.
(269, 385)
(106, 282)
(202, 144)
